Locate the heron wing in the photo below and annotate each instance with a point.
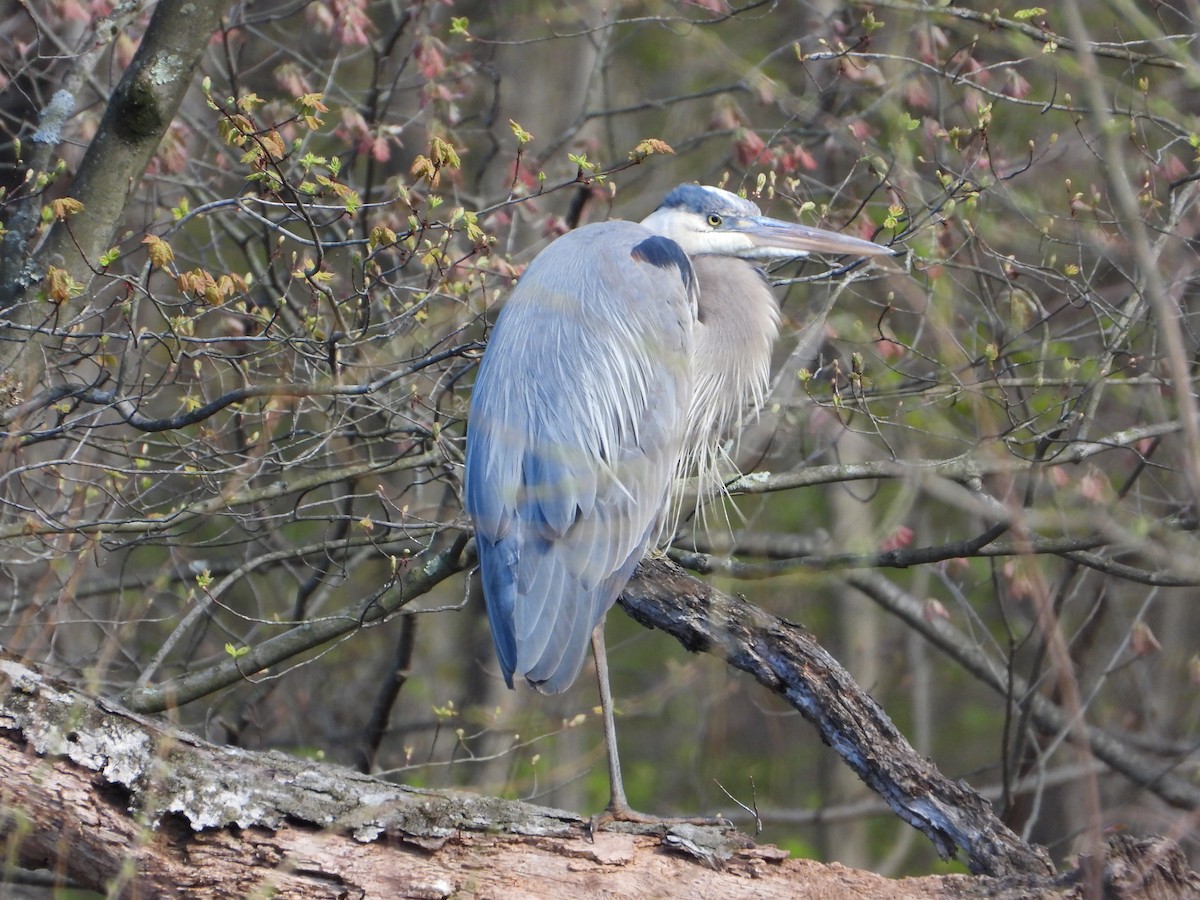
(577, 417)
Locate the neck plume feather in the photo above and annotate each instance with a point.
(738, 321)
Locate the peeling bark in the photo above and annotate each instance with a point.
(128, 805)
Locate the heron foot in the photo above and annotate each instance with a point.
(622, 813)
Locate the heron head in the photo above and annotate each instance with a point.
(709, 221)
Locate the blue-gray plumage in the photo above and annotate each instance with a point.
(625, 355)
(565, 494)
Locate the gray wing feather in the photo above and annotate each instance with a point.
(576, 423)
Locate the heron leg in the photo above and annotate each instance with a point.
(617, 801)
(618, 809)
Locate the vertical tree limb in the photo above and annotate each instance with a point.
(142, 107)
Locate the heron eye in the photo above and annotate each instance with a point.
(714, 220)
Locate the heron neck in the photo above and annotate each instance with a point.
(737, 323)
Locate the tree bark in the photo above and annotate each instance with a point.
(130, 806)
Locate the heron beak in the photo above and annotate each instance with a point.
(775, 239)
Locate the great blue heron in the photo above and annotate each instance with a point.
(623, 358)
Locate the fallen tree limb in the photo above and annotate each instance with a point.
(131, 806)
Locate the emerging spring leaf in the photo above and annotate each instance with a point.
(59, 285)
(381, 236)
(310, 105)
(585, 165)
(443, 154)
(649, 147)
(240, 126)
(275, 147)
(161, 253)
(248, 102)
(423, 168)
(523, 136)
(64, 207)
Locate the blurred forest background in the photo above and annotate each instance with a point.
(235, 380)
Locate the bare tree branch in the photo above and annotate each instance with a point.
(415, 579)
(1143, 770)
(786, 660)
